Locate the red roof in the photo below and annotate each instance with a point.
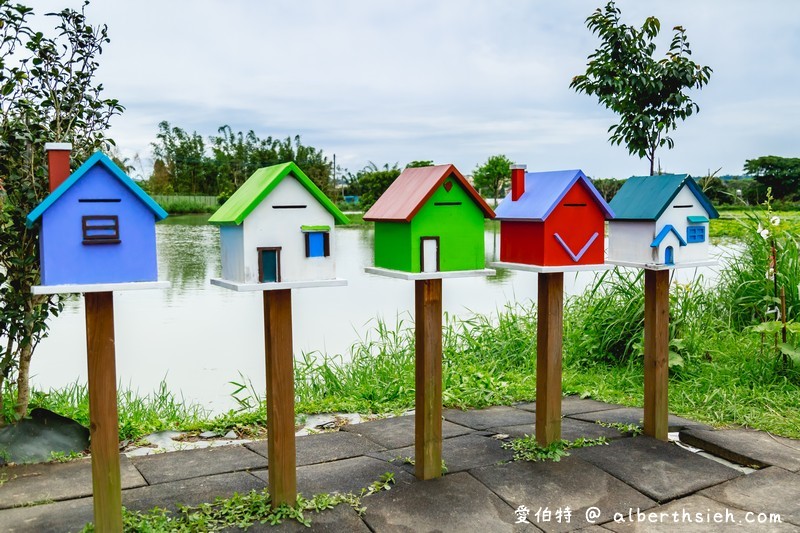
(412, 188)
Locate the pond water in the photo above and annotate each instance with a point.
(200, 337)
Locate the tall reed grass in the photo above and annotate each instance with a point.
(746, 287)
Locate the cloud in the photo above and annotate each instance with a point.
(452, 80)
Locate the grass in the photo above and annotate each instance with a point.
(735, 223)
(138, 414)
(527, 449)
(241, 511)
(183, 207)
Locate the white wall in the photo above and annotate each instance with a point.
(230, 238)
(697, 251)
(629, 240)
(268, 227)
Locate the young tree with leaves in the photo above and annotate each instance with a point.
(649, 95)
(492, 176)
(48, 93)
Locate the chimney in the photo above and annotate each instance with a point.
(517, 181)
(57, 163)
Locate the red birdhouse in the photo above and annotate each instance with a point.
(552, 219)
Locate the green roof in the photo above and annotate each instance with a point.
(646, 197)
(259, 185)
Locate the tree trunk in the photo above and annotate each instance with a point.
(2, 384)
(25, 355)
(23, 386)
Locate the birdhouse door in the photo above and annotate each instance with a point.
(669, 256)
(269, 265)
(429, 256)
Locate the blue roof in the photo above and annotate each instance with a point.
(646, 197)
(97, 158)
(543, 191)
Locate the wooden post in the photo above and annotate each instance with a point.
(103, 421)
(280, 396)
(428, 402)
(656, 353)
(549, 333)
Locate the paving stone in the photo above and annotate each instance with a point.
(772, 490)
(346, 475)
(691, 514)
(174, 466)
(340, 518)
(489, 417)
(526, 406)
(746, 447)
(570, 430)
(69, 515)
(573, 404)
(632, 415)
(460, 453)
(398, 432)
(192, 491)
(570, 482)
(455, 502)
(661, 470)
(324, 447)
(56, 481)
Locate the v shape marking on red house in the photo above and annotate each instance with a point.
(576, 257)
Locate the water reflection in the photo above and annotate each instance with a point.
(187, 254)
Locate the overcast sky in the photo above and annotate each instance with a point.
(452, 81)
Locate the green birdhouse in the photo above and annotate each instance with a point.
(430, 220)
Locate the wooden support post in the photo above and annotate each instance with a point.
(549, 333)
(656, 353)
(103, 421)
(280, 396)
(428, 413)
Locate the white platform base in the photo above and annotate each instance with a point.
(99, 287)
(655, 266)
(550, 269)
(276, 286)
(400, 274)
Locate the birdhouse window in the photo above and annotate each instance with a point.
(100, 229)
(696, 234)
(318, 243)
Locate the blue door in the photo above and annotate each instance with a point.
(669, 256)
(269, 265)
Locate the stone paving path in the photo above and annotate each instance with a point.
(647, 485)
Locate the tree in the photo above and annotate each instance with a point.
(780, 173)
(420, 163)
(607, 187)
(184, 155)
(493, 175)
(47, 94)
(648, 95)
(373, 182)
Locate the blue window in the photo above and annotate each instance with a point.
(696, 234)
(317, 244)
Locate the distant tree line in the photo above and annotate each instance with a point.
(186, 163)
